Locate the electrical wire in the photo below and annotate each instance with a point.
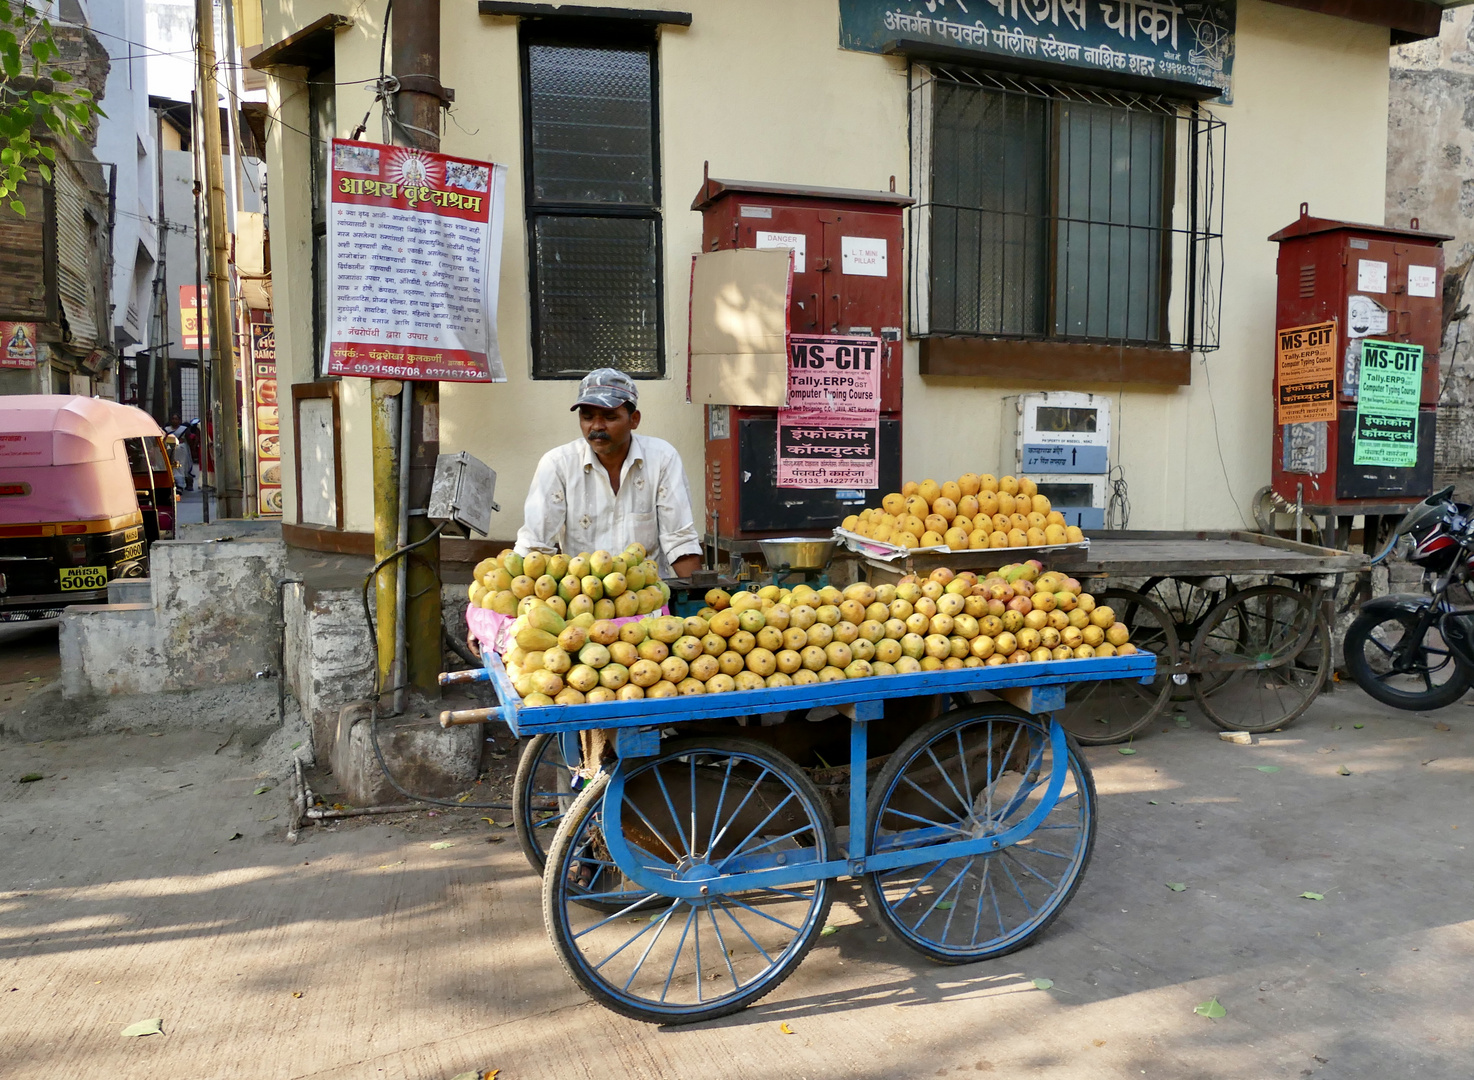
(1118, 507)
(1222, 464)
(380, 689)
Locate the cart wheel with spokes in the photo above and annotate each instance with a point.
(544, 789)
(700, 810)
(1271, 652)
(974, 773)
(1187, 602)
(1111, 711)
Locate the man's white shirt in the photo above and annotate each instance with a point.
(653, 506)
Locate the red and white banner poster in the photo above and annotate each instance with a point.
(414, 254)
(829, 436)
(268, 420)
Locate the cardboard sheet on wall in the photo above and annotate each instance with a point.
(738, 352)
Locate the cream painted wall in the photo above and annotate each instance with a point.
(762, 91)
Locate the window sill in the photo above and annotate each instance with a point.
(1054, 361)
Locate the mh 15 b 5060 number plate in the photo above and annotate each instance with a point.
(78, 578)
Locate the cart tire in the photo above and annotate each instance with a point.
(963, 910)
(1280, 633)
(1373, 642)
(672, 961)
(1188, 604)
(542, 792)
(1113, 710)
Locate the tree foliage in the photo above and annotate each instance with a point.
(36, 89)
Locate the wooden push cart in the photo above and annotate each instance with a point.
(693, 865)
(1241, 621)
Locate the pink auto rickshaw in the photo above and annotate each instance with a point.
(85, 488)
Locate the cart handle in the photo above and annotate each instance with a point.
(450, 719)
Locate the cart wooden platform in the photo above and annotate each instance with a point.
(1253, 656)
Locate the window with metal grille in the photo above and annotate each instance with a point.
(592, 182)
(1062, 213)
(321, 126)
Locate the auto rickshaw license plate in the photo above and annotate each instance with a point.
(133, 551)
(77, 578)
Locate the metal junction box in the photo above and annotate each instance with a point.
(848, 259)
(462, 494)
(1357, 284)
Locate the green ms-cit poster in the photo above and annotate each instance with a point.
(1387, 405)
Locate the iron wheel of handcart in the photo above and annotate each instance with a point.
(701, 808)
(544, 789)
(1111, 711)
(968, 774)
(1188, 601)
(1271, 652)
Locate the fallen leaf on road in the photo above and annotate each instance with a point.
(1311, 896)
(1325, 749)
(31, 778)
(1151, 802)
(1176, 886)
(296, 744)
(273, 817)
(262, 790)
(1125, 750)
(1183, 721)
(1343, 770)
(234, 836)
(785, 1029)
(390, 865)
(1043, 984)
(1358, 726)
(1441, 726)
(491, 822)
(828, 930)
(946, 905)
(296, 993)
(441, 845)
(1267, 768)
(144, 1027)
(1211, 1009)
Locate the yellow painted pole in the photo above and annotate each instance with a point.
(385, 424)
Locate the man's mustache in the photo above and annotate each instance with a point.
(597, 436)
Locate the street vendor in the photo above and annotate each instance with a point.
(612, 487)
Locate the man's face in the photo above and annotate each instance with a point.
(608, 430)
(174, 420)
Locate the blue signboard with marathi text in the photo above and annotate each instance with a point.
(1182, 41)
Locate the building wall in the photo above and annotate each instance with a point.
(125, 139)
(1430, 132)
(747, 87)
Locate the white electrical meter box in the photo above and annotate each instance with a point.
(1061, 439)
(1079, 497)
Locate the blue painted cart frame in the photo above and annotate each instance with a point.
(1038, 689)
(638, 725)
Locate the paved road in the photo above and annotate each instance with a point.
(122, 898)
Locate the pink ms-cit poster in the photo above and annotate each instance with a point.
(414, 249)
(829, 435)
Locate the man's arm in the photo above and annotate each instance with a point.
(674, 520)
(545, 513)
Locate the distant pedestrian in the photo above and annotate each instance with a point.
(182, 462)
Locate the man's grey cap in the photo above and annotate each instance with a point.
(606, 388)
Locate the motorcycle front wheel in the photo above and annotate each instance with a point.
(1385, 660)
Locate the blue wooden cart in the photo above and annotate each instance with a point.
(691, 874)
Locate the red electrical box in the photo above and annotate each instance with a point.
(1369, 283)
(833, 293)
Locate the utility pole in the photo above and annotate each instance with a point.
(222, 328)
(415, 52)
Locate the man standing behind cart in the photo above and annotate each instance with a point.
(612, 487)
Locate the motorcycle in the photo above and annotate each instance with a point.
(1416, 650)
